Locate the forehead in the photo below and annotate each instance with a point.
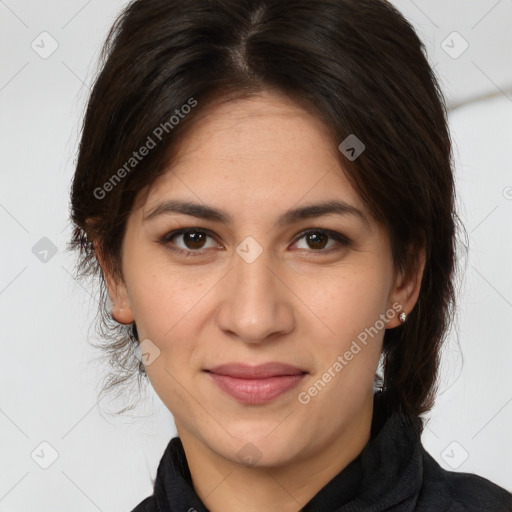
(263, 153)
(255, 126)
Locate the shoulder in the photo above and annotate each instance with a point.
(462, 492)
(147, 505)
(475, 492)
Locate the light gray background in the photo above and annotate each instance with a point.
(49, 378)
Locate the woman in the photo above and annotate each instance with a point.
(265, 190)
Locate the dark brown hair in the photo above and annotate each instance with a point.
(358, 65)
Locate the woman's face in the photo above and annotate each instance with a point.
(259, 285)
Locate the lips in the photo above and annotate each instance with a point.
(262, 371)
(256, 384)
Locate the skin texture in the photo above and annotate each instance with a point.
(256, 158)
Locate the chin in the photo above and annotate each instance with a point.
(256, 448)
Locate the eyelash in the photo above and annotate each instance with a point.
(166, 239)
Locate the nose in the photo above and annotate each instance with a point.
(256, 304)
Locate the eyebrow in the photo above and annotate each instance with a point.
(211, 213)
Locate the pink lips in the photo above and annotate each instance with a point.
(256, 384)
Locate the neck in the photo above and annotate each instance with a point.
(225, 486)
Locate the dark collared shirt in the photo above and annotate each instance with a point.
(393, 473)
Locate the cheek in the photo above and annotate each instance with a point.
(345, 302)
(166, 308)
(163, 303)
(348, 334)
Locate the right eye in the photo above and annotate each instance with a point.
(193, 240)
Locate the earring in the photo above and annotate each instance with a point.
(402, 317)
(113, 317)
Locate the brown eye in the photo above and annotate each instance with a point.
(192, 241)
(317, 240)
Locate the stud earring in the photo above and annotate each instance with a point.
(113, 317)
(402, 317)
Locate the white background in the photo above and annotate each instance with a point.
(48, 375)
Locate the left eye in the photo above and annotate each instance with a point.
(193, 240)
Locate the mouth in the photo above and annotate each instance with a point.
(256, 384)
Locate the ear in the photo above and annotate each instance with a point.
(117, 291)
(406, 290)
